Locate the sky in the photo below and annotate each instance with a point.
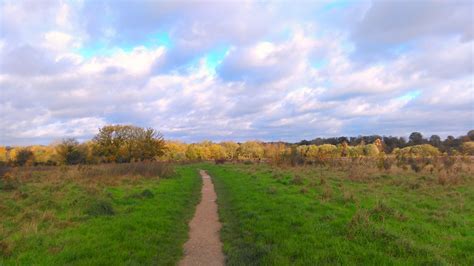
(235, 70)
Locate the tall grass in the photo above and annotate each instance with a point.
(12, 177)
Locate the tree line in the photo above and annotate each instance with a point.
(127, 143)
(449, 145)
(114, 143)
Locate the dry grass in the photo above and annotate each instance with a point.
(89, 175)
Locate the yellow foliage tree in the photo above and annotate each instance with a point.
(275, 151)
(175, 151)
(217, 152)
(326, 151)
(231, 149)
(3, 154)
(251, 150)
(44, 154)
(371, 150)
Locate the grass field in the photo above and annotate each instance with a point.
(308, 216)
(303, 215)
(57, 219)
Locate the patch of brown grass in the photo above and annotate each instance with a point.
(327, 192)
(5, 249)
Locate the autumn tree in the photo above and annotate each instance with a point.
(276, 151)
(371, 150)
(174, 151)
(45, 154)
(3, 154)
(251, 150)
(217, 152)
(326, 151)
(230, 148)
(125, 143)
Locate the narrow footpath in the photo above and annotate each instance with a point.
(204, 246)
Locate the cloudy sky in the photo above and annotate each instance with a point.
(235, 70)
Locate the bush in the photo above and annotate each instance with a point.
(468, 148)
(71, 152)
(383, 163)
(24, 156)
(424, 150)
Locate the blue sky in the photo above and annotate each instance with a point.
(235, 70)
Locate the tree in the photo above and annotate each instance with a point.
(125, 143)
(390, 143)
(175, 151)
(251, 150)
(312, 152)
(470, 134)
(326, 151)
(435, 141)
(149, 144)
(193, 152)
(3, 154)
(371, 150)
(217, 152)
(451, 144)
(230, 149)
(45, 154)
(415, 138)
(378, 143)
(70, 152)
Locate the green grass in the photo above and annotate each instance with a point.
(296, 216)
(132, 221)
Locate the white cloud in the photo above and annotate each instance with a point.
(288, 74)
(139, 61)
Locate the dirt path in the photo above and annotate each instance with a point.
(204, 246)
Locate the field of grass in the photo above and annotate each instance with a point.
(311, 215)
(78, 216)
(302, 215)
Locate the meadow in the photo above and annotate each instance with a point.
(334, 212)
(96, 215)
(319, 215)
